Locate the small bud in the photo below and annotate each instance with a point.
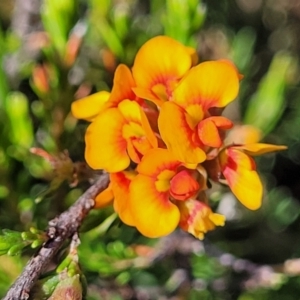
(37, 243)
(72, 49)
(40, 79)
(16, 249)
(26, 236)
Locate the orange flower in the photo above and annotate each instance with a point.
(88, 108)
(239, 170)
(208, 85)
(197, 218)
(159, 64)
(161, 182)
(118, 135)
(167, 187)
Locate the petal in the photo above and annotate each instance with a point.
(260, 148)
(208, 130)
(197, 218)
(233, 158)
(245, 185)
(89, 107)
(122, 86)
(210, 84)
(104, 198)
(154, 215)
(120, 183)
(161, 60)
(156, 161)
(134, 155)
(105, 145)
(208, 133)
(137, 130)
(183, 185)
(132, 112)
(173, 119)
(239, 170)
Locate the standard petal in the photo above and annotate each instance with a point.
(156, 162)
(161, 60)
(105, 145)
(154, 215)
(89, 107)
(210, 84)
(176, 132)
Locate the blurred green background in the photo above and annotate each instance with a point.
(53, 52)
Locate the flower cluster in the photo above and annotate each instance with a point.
(161, 137)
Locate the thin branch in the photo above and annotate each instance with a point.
(60, 229)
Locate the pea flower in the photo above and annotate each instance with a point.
(208, 85)
(159, 65)
(161, 182)
(161, 136)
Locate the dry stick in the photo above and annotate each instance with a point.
(60, 229)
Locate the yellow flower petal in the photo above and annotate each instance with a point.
(132, 112)
(246, 186)
(197, 218)
(104, 198)
(154, 215)
(105, 145)
(156, 162)
(210, 84)
(239, 170)
(161, 60)
(179, 137)
(89, 107)
(122, 87)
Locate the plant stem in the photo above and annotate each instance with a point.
(60, 229)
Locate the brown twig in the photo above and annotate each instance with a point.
(60, 229)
